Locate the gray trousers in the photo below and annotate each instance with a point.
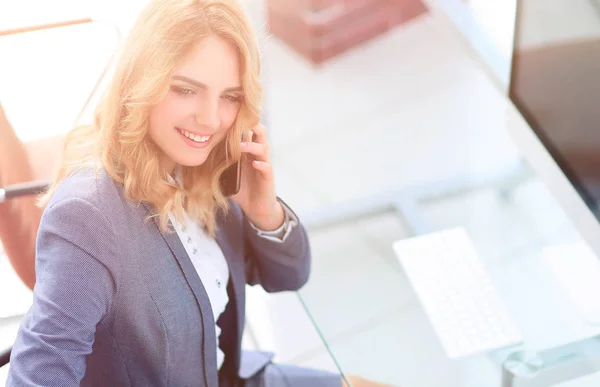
(280, 375)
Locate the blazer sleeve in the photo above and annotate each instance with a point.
(277, 265)
(74, 290)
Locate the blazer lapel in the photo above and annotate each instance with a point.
(195, 284)
(236, 272)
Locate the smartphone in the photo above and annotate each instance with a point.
(231, 179)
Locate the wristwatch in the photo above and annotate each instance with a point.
(280, 234)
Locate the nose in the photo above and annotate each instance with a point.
(207, 114)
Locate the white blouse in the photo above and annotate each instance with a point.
(211, 265)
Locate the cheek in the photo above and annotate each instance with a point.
(169, 111)
(159, 116)
(228, 115)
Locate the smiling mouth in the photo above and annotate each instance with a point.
(194, 137)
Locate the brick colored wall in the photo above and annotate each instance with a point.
(322, 29)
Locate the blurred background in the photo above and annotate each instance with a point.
(388, 119)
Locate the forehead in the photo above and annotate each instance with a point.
(212, 61)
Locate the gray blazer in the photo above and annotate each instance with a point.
(119, 303)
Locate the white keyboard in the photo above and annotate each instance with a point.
(456, 293)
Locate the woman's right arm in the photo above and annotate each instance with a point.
(74, 290)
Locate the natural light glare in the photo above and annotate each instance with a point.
(497, 18)
(46, 76)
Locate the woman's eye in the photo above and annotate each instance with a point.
(232, 98)
(184, 91)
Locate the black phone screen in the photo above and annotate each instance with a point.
(230, 179)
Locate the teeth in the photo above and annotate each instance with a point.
(194, 137)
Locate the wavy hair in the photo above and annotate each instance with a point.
(118, 139)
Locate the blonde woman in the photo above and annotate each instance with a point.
(141, 261)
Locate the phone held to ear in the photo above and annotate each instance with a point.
(231, 178)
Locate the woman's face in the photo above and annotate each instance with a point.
(201, 105)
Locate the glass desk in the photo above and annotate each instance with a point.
(367, 312)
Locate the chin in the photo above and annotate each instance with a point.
(192, 162)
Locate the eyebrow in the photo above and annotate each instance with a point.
(202, 85)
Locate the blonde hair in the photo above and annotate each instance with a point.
(118, 141)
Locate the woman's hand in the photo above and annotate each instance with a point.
(257, 196)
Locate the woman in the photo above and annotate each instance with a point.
(141, 261)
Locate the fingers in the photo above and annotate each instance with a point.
(258, 150)
(263, 167)
(260, 134)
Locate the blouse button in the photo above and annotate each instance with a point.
(218, 284)
(194, 251)
(189, 239)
